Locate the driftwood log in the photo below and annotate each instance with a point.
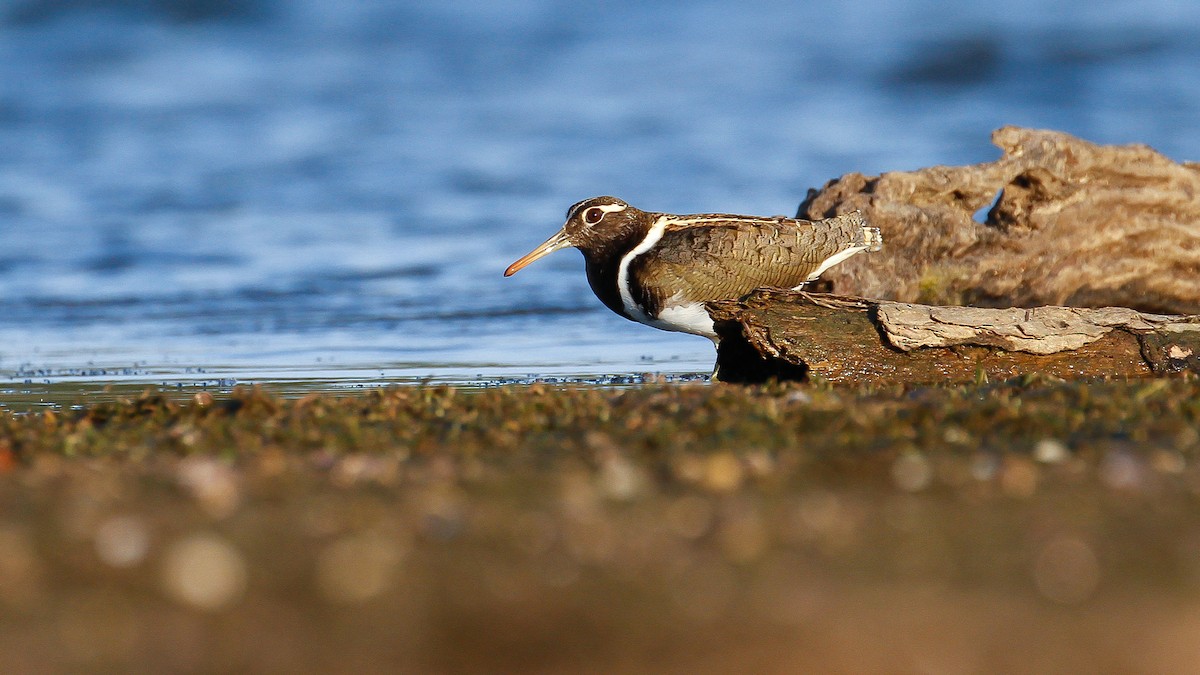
(789, 335)
(1086, 264)
(1067, 223)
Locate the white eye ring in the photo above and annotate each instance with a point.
(593, 215)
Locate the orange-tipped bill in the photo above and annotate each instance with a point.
(555, 243)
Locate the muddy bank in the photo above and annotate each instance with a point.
(1017, 526)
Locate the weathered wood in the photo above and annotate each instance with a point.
(1070, 223)
(793, 335)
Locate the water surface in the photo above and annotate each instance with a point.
(200, 193)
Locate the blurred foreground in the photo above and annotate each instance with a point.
(1025, 526)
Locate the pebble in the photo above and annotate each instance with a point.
(722, 472)
(1066, 570)
(357, 568)
(1051, 451)
(122, 541)
(205, 572)
(912, 472)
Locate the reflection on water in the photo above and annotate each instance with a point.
(54, 390)
(298, 190)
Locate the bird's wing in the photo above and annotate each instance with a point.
(724, 259)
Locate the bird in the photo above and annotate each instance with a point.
(660, 269)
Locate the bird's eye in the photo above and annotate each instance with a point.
(593, 215)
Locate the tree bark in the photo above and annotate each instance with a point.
(790, 335)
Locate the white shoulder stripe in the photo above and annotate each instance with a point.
(631, 307)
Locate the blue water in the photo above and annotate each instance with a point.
(219, 191)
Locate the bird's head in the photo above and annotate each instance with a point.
(590, 224)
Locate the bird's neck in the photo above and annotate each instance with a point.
(603, 264)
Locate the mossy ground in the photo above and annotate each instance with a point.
(1030, 525)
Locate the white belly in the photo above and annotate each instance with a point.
(682, 318)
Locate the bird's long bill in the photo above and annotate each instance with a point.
(555, 243)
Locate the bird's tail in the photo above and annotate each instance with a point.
(868, 237)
